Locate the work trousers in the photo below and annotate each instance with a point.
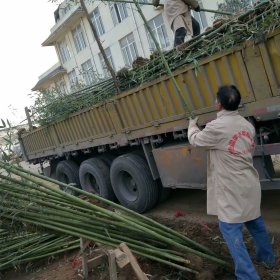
(181, 32)
(243, 265)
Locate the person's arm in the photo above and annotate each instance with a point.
(208, 137)
(193, 4)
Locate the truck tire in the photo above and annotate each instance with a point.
(133, 183)
(67, 171)
(94, 176)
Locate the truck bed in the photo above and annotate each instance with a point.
(155, 108)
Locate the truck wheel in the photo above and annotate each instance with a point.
(95, 177)
(67, 171)
(133, 183)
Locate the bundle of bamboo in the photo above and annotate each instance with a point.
(253, 25)
(30, 199)
(25, 246)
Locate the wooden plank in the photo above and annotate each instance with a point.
(121, 258)
(112, 265)
(84, 258)
(135, 266)
(96, 261)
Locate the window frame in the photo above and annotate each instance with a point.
(201, 17)
(155, 29)
(78, 38)
(96, 20)
(118, 12)
(109, 56)
(127, 48)
(73, 80)
(64, 51)
(88, 74)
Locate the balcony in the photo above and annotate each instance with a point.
(55, 71)
(63, 25)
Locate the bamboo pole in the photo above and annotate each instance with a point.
(73, 201)
(92, 236)
(152, 233)
(178, 90)
(161, 5)
(18, 171)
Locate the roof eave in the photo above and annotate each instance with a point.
(51, 40)
(52, 75)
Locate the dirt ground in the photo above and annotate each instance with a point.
(192, 204)
(184, 211)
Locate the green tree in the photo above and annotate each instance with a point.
(235, 6)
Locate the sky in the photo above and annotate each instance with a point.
(25, 24)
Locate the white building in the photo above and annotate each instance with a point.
(121, 31)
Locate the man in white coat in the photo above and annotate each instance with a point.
(233, 187)
(178, 15)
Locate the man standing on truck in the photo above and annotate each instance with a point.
(233, 187)
(180, 19)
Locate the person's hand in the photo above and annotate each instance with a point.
(197, 9)
(193, 121)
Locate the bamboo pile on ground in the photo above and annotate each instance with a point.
(253, 25)
(20, 246)
(31, 199)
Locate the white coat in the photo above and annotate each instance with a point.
(178, 14)
(233, 187)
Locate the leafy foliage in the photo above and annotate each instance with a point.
(8, 142)
(234, 6)
(50, 105)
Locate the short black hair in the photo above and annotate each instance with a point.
(229, 97)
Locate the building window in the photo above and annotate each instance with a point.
(118, 12)
(79, 39)
(159, 31)
(64, 51)
(102, 61)
(201, 17)
(97, 22)
(73, 78)
(142, 3)
(129, 49)
(61, 87)
(88, 72)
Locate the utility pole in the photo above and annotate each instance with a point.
(28, 118)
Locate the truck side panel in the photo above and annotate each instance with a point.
(158, 103)
(156, 107)
(270, 52)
